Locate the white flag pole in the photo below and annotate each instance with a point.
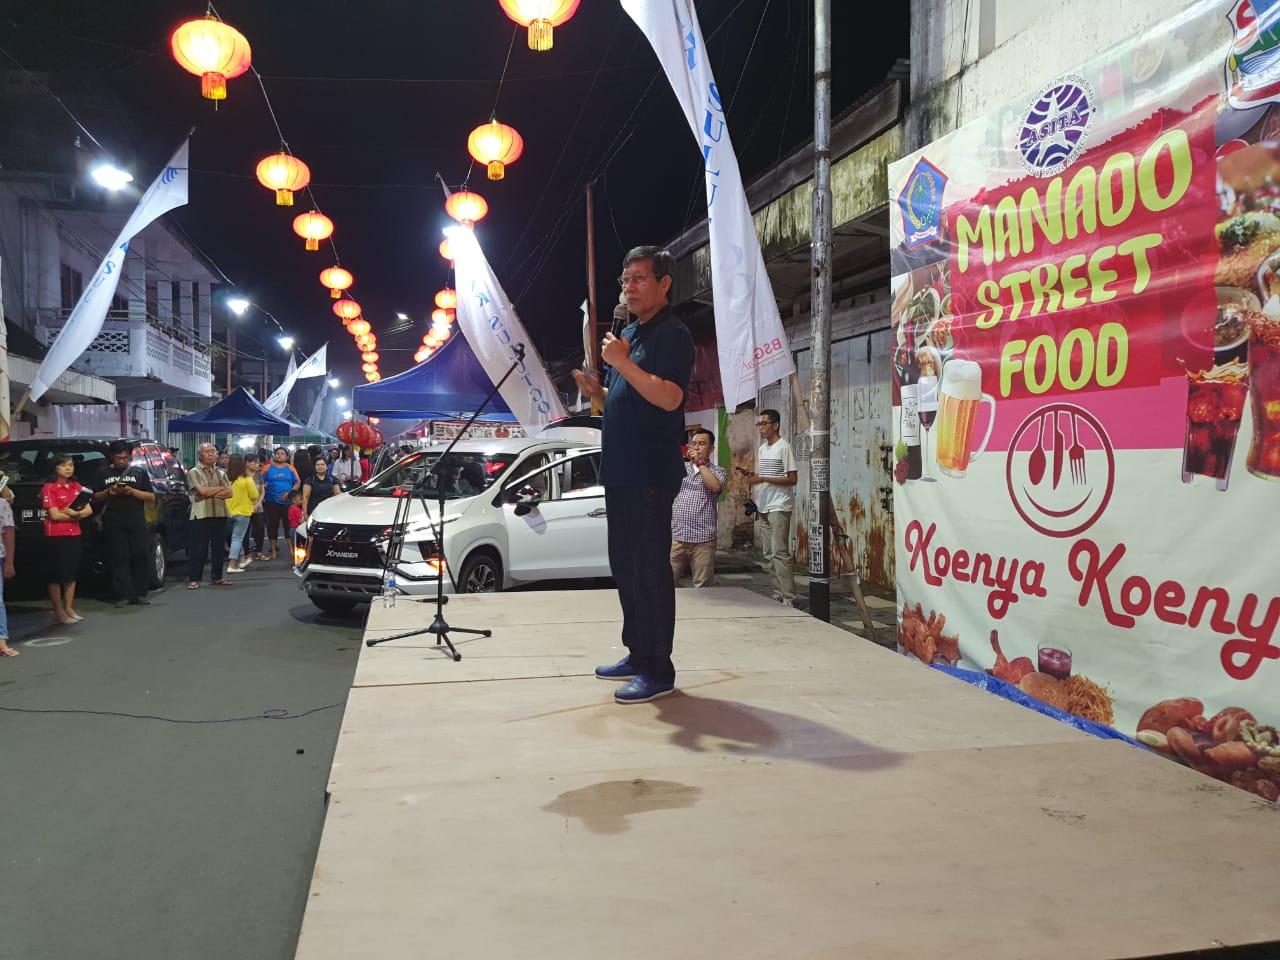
(167, 191)
(752, 344)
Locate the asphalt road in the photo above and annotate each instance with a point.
(141, 816)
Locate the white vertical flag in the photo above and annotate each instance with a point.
(167, 191)
(753, 347)
(280, 395)
(316, 365)
(493, 330)
(314, 424)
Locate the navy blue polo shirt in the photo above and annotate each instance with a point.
(641, 442)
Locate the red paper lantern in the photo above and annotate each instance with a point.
(370, 356)
(495, 145)
(466, 207)
(283, 173)
(313, 227)
(347, 309)
(540, 16)
(446, 250)
(346, 431)
(213, 51)
(336, 280)
(376, 439)
(442, 316)
(359, 327)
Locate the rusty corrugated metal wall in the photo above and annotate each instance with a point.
(861, 455)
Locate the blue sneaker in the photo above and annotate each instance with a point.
(621, 670)
(642, 690)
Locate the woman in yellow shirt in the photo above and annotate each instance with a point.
(244, 495)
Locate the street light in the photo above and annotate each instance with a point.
(346, 415)
(110, 176)
(335, 382)
(402, 316)
(341, 401)
(238, 305)
(285, 342)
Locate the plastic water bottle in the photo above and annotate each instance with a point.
(389, 589)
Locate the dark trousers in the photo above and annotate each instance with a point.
(255, 533)
(129, 552)
(208, 540)
(640, 558)
(277, 515)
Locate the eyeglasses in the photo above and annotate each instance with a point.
(763, 423)
(637, 278)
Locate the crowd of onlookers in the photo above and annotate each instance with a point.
(242, 504)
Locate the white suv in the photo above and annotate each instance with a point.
(515, 511)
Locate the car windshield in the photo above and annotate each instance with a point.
(32, 461)
(459, 475)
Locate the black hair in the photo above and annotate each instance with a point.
(664, 263)
(773, 416)
(710, 436)
(119, 446)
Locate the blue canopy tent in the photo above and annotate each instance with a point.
(450, 385)
(238, 413)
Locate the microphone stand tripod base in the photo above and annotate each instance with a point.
(439, 628)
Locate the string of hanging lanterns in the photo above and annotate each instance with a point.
(215, 51)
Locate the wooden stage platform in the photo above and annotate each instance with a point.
(805, 794)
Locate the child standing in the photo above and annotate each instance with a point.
(65, 505)
(295, 517)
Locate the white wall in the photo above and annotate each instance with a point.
(970, 56)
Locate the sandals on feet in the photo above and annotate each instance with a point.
(8, 652)
(193, 585)
(224, 582)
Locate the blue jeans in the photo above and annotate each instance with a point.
(4, 614)
(640, 559)
(239, 527)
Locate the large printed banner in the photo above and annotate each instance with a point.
(1087, 391)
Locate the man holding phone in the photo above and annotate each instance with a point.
(120, 495)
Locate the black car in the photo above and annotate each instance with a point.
(28, 466)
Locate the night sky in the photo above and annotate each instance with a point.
(378, 98)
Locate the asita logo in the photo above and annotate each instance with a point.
(1056, 126)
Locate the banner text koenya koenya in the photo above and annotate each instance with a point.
(1123, 600)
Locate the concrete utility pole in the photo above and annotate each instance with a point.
(820, 324)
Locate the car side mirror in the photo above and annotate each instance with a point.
(525, 498)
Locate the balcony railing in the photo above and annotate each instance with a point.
(144, 359)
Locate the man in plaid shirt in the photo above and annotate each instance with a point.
(693, 515)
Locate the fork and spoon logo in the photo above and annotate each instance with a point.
(1060, 470)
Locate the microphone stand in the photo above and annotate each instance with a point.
(439, 627)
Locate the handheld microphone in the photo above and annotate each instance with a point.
(621, 315)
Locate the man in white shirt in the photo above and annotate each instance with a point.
(774, 494)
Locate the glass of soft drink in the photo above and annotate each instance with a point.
(1215, 404)
(1264, 396)
(1054, 659)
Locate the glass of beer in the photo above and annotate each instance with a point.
(959, 397)
(1264, 396)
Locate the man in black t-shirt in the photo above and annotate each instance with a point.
(120, 495)
(641, 468)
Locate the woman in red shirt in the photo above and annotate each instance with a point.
(63, 513)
